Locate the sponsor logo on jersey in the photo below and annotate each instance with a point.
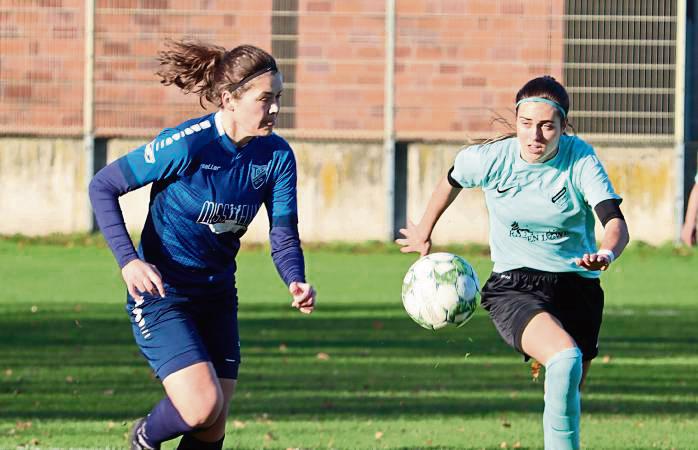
(210, 167)
(258, 174)
(535, 236)
(157, 145)
(225, 217)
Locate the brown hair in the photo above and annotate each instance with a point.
(207, 70)
(546, 87)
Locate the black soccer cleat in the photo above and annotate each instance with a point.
(136, 438)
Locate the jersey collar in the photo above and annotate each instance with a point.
(224, 138)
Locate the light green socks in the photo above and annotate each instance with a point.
(563, 373)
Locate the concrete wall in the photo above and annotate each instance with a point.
(42, 186)
(341, 190)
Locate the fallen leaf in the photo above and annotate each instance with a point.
(21, 426)
(322, 356)
(506, 424)
(264, 418)
(283, 347)
(8, 372)
(268, 436)
(517, 445)
(34, 308)
(379, 435)
(108, 392)
(535, 369)
(69, 379)
(606, 359)
(110, 425)
(503, 445)
(238, 424)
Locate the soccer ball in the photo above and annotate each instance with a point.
(440, 289)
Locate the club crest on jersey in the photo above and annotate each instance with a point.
(258, 174)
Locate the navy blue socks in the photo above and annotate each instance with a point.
(164, 423)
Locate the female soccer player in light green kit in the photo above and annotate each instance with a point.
(542, 188)
(688, 231)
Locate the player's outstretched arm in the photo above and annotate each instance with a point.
(417, 238)
(688, 231)
(615, 238)
(303, 296)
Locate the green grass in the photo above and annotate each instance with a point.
(71, 376)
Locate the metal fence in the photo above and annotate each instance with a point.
(457, 64)
(620, 67)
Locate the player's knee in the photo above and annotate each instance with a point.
(204, 410)
(563, 374)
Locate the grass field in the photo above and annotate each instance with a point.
(357, 373)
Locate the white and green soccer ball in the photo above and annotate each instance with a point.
(440, 289)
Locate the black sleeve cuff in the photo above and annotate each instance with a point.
(452, 181)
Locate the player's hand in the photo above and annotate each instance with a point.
(414, 241)
(688, 234)
(593, 261)
(141, 277)
(303, 296)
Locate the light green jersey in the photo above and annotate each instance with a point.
(540, 214)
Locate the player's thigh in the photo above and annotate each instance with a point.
(544, 336)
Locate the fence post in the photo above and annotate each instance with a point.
(389, 118)
(88, 128)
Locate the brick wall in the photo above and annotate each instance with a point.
(41, 66)
(129, 98)
(458, 62)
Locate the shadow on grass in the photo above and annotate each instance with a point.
(348, 360)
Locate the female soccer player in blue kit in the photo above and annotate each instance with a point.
(209, 176)
(544, 295)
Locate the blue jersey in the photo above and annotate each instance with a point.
(205, 193)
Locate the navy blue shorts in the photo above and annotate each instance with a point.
(513, 297)
(177, 331)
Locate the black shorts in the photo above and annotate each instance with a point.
(512, 298)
